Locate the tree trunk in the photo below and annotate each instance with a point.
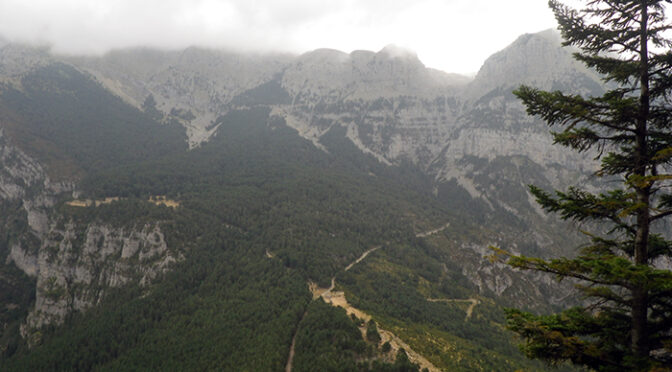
(639, 336)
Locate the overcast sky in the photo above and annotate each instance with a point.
(451, 35)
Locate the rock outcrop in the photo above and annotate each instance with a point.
(74, 264)
(192, 86)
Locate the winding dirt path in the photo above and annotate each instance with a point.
(363, 256)
(432, 232)
(473, 302)
(290, 359)
(337, 298)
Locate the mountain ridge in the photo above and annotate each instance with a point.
(314, 158)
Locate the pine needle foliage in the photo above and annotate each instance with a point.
(623, 273)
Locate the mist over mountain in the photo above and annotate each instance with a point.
(152, 201)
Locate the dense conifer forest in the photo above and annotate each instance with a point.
(261, 213)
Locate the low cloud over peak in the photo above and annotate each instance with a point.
(453, 35)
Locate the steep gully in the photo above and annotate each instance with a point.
(338, 299)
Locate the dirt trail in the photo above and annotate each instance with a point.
(363, 256)
(319, 291)
(473, 302)
(432, 232)
(163, 200)
(154, 199)
(337, 298)
(290, 359)
(90, 202)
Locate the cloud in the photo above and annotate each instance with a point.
(455, 35)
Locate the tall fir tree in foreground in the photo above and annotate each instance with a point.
(623, 272)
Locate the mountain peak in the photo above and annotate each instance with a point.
(395, 51)
(392, 71)
(324, 55)
(537, 59)
(551, 36)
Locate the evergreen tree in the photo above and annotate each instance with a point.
(626, 323)
(372, 332)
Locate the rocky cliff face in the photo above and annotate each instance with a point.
(417, 111)
(16, 60)
(397, 110)
(73, 264)
(19, 172)
(23, 178)
(538, 60)
(392, 107)
(192, 86)
(388, 103)
(329, 75)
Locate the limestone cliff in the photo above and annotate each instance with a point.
(192, 86)
(74, 264)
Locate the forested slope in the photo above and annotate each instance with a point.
(260, 212)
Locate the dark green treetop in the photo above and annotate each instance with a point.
(626, 323)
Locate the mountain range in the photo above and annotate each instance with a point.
(195, 209)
